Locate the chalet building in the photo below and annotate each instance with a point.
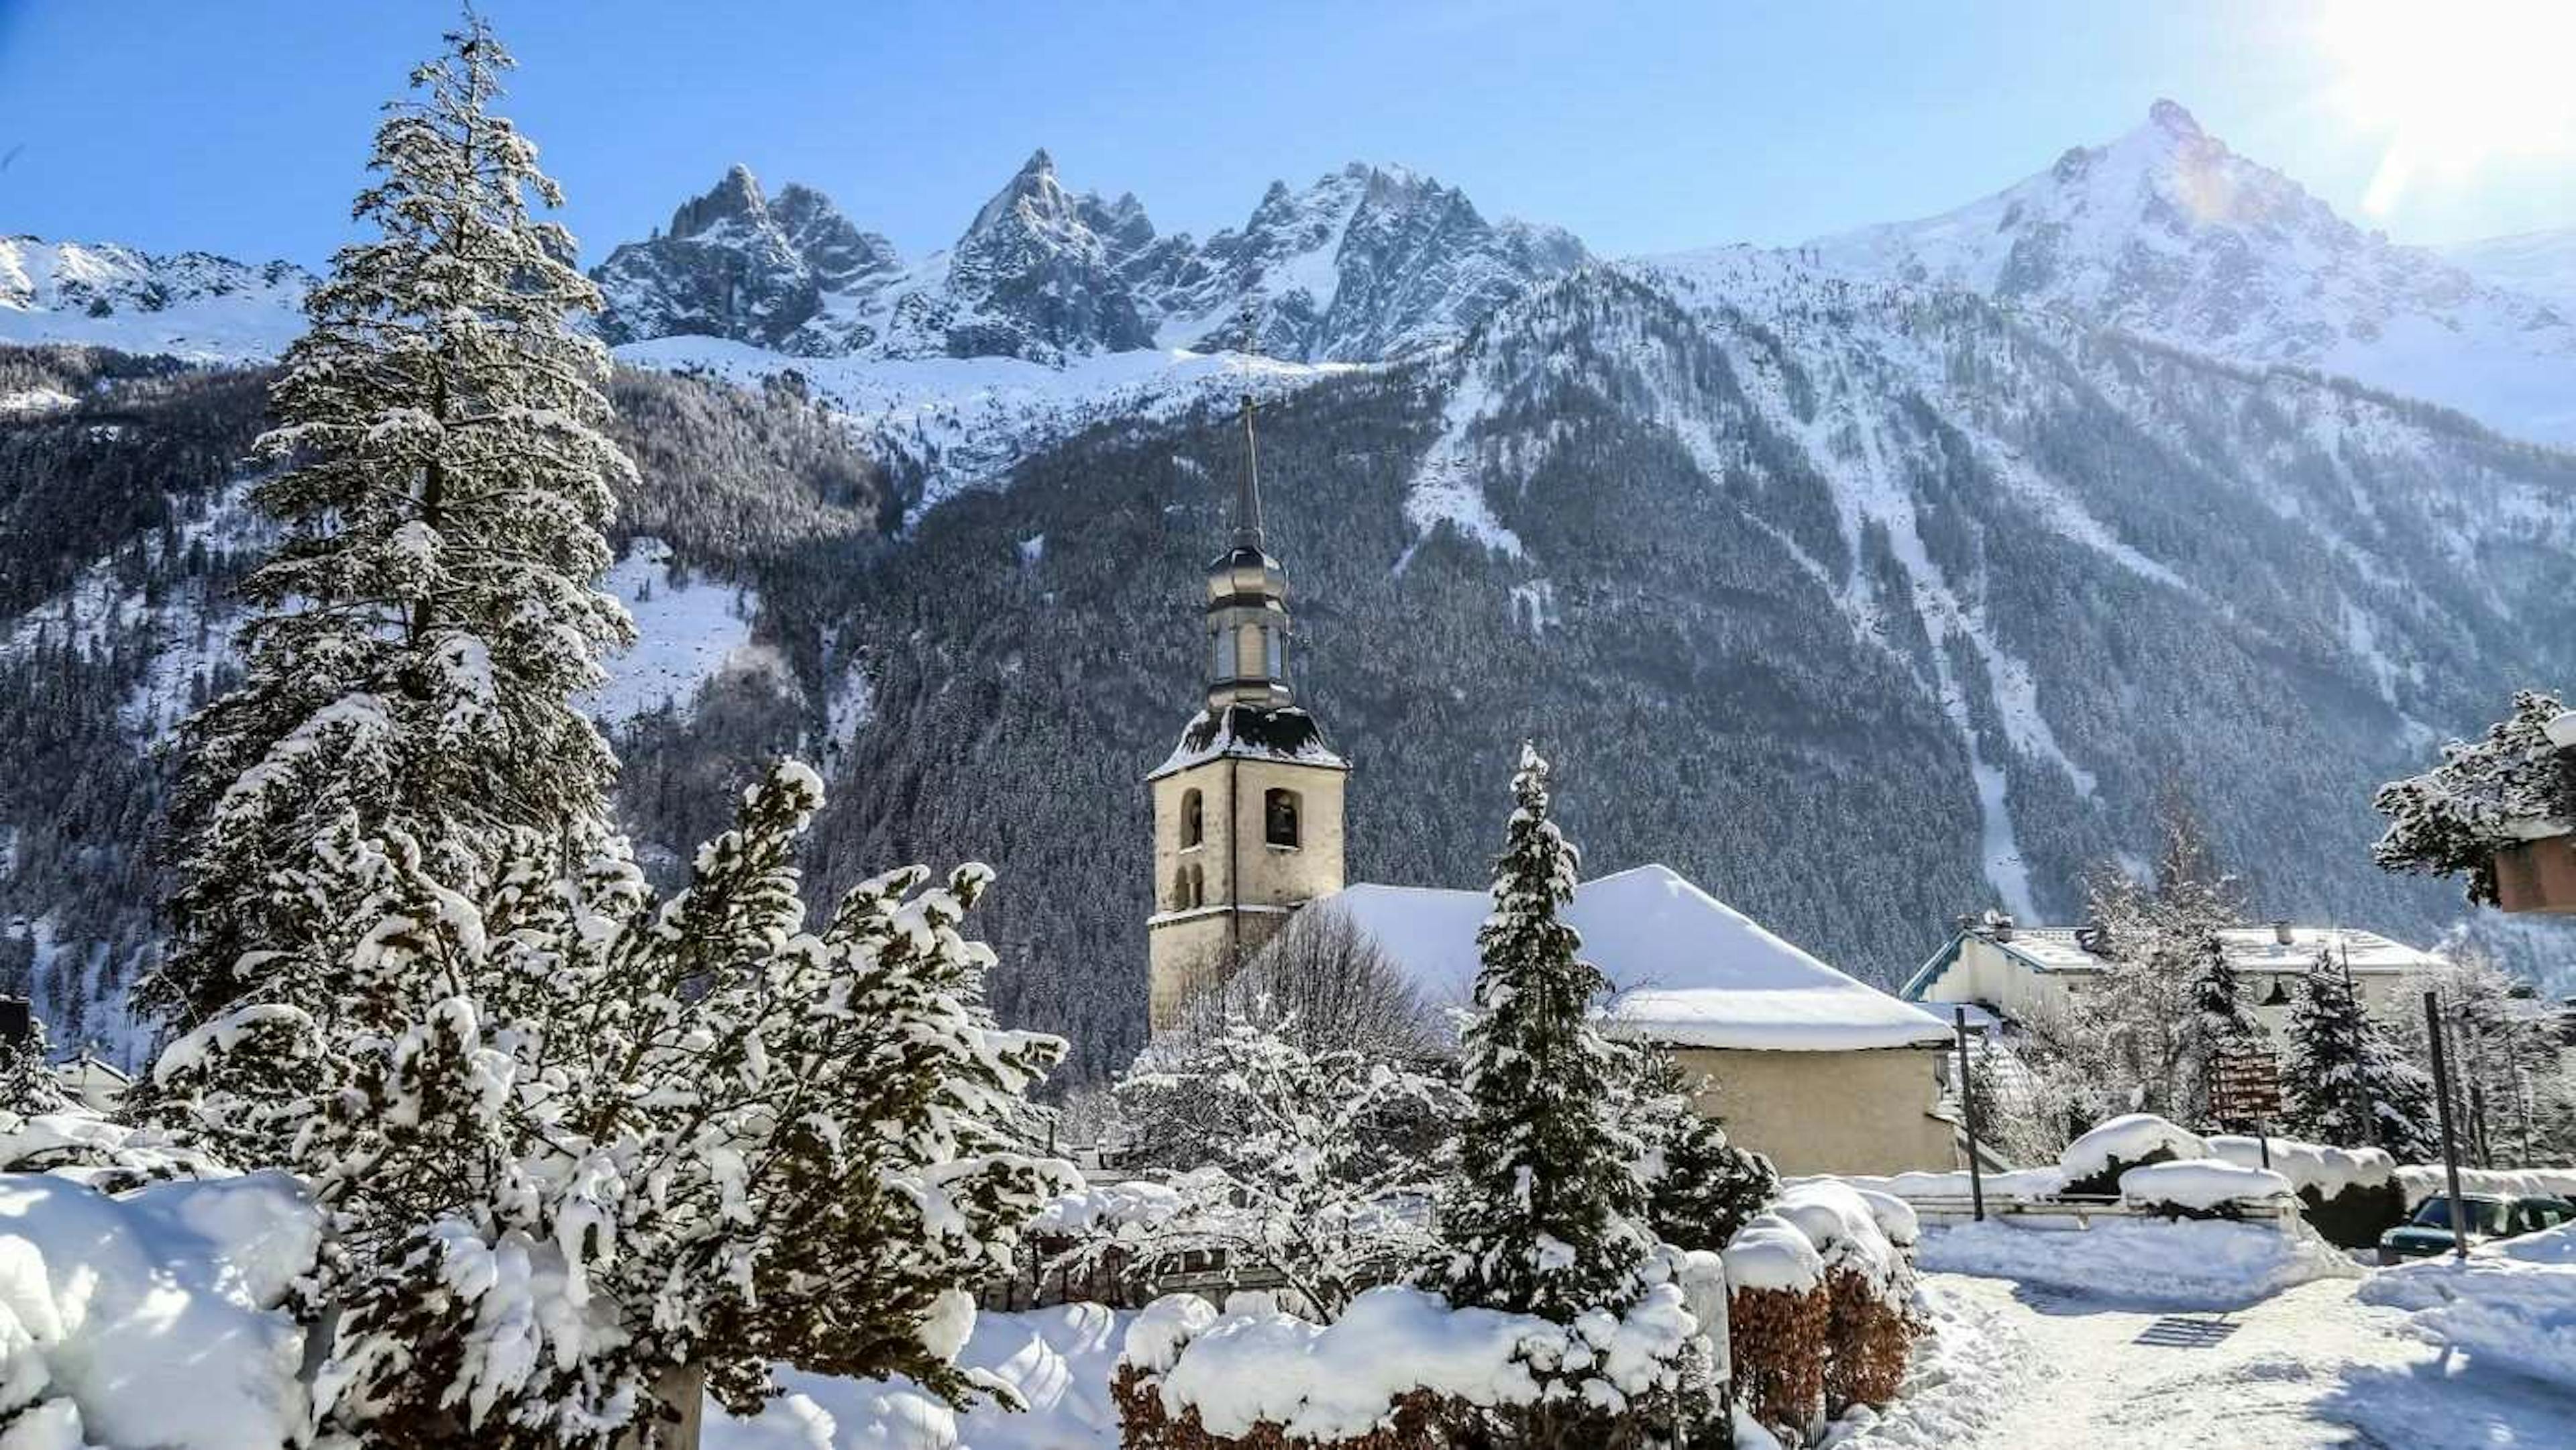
(2020, 973)
(1804, 1063)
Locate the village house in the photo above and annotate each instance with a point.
(1802, 1062)
(2036, 973)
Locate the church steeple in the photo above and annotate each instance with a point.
(1248, 806)
(1247, 601)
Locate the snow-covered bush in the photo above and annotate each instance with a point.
(2200, 1188)
(2515, 785)
(577, 1148)
(2349, 1195)
(1779, 1322)
(2093, 1163)
(27, 1082)
(1316, 1164)
(1869, 1286)
(1401, 1367)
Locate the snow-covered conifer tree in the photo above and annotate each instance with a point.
(582, 1154)
(1548, 1216)
(1700, 1188)
(2348, 1084)
(2222, 1023)
(423, 627)
(27, 1082)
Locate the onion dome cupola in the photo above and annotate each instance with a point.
(1247, 602)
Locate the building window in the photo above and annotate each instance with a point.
(1193, 820)
(1273, 652)
(1220, 656)
(1189, 889)
(1279, 817)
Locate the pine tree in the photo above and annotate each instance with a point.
(2452, 819)
(1700, 1188)
(1548, 1217)
(423, 627)
(582, 1153)
(2349, 1085)
(2222, 1024)
(27, 1082)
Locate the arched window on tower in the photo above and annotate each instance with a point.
(1279, 817)
(1193, 820)
(1189, 889)
(1221, 656)
(1274, 651)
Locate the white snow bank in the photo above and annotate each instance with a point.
(1058, 1359)
(2426, 1180)
(2010, 1185)
(1342, 1379)
(2129, 1138)
(1772, 1252)
(2511, 1305)
(2203, 1184)
(2309, 1165)
(152, 1322)
(2160, 1263)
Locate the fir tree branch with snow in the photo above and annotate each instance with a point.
(2516, 784)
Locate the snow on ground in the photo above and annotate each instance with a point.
(2511, 1305)
(686, 633)
(1058, 1359)
(966, 421)
(2141, 1262)
(152, 1320)
(2307, 1367)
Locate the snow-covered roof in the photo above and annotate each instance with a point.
(1685, 968)
(2249, 949)
(1251, 732)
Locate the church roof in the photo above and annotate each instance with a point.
(1251, 732)
(1685, 969)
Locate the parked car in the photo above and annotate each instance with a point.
(2489, 1216)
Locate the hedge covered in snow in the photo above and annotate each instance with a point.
(1821, 1311)
(1401, 1367)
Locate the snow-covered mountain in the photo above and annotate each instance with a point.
(2167, 234)
(2540, 264)
(1368, 263)
(191, 305)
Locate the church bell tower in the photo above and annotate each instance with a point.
(1248, 808)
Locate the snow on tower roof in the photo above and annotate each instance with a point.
(1251, 732)
(1685, 969)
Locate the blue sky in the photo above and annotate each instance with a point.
(241, 127)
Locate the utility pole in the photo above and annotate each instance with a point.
(2450, 1141)
(1968, 1116)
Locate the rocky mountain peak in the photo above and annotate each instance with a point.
(2171, 118)
(736, 198)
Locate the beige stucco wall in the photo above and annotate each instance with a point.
(1187, 948)
(1827, 1112)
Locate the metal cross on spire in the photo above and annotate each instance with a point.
(1247, 503)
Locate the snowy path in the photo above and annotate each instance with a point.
(2034, 1369)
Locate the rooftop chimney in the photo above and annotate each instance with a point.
(2281, 932)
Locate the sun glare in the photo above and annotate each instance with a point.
(2454, 84)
